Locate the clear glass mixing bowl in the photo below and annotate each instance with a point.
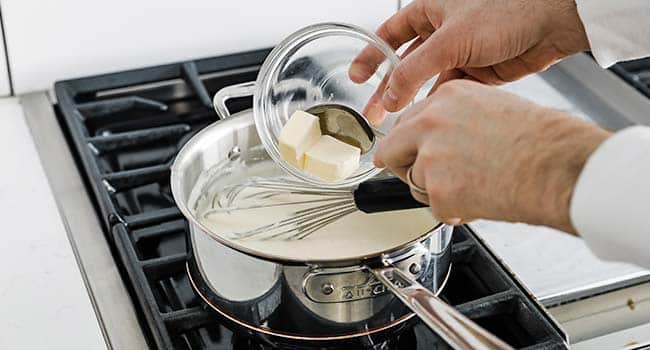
(310, 67)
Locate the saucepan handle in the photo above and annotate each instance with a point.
(228, 92)
(456, 329)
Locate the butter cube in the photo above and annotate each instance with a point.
(331, 159)
(299, 134)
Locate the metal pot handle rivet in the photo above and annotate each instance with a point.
(327, 288)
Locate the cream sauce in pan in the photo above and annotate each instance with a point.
(354, 235)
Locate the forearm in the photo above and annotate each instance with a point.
(549, 170)
(616, 30)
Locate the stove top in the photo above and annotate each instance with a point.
(126, 129)
(636, 73)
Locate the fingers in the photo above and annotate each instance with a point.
(398, 149)
(374, 109)
(531, 61)
(437, 54)
(534, 60)
(414, 144)
(486, 75)
(414, 45)
(446, 76)
(511, 70)
(424, 174)
(396, 31)
(411, 112)
(418, 179)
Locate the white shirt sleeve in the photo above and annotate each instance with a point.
(617, 30)
(610, 207)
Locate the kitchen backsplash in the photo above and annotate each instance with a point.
(72, 38)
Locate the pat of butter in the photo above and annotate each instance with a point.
(299, 134)
(331, 159)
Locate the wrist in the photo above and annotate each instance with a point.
(565, 145)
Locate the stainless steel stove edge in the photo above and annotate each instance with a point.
(601, 94)
(618, 319)
(113, 306)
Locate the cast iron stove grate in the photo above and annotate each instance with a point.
(127, 128)
(636, 73)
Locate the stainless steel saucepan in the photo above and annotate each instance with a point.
(325, 300)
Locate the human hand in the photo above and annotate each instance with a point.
(491, 41)
(481, 152)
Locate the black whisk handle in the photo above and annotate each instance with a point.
(385, 194)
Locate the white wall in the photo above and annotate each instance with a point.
(54, 40)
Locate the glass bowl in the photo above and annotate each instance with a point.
(310, 67)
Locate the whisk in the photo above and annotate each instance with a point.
(329, 205)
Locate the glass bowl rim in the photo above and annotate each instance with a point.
(271, 66)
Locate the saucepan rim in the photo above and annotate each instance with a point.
(188, 150)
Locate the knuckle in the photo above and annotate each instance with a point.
(462, 84)
(435, 120)
(387, 33)
(427, 158)
(424, 122)
(449, 88)
(456, 89)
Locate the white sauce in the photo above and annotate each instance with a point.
(355, 235)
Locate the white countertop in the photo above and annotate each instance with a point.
(549, 262)
(43, 301)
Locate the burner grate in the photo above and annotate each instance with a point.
(156, 265)
(129, 126)
(636, 73)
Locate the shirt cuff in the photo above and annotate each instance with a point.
(616, 30)
(610, 207)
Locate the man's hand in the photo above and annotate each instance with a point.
(491, 41)
(481, 152)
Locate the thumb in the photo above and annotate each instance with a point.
(437, 54)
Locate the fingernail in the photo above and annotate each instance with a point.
(375, 114)
(390, 99)
(358, 72)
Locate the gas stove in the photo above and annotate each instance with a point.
(125, 129)
(636, 73)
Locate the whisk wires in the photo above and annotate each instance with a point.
(330, 205)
